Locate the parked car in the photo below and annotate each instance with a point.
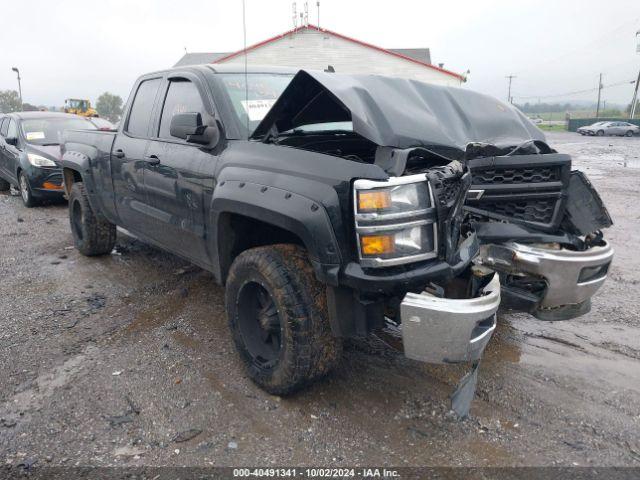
(30, 152)
(328, 206)
(610, 128)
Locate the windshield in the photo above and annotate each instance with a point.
(48, 131)
(252, 104)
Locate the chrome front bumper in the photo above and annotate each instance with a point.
(572, 277)
(444, 330)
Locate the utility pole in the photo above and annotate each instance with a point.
(634, 102)
(599, 92)
(318, 5)
(635, 90)
(19, 87)
(510, 77)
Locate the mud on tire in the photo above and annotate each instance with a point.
(92, 234)
(296, 313)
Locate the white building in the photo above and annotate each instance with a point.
(313, 48)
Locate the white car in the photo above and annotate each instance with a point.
(610, 128)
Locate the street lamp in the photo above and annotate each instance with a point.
(19, 86)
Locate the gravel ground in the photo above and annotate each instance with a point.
(127, 360)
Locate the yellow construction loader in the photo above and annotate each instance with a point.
(79, 107)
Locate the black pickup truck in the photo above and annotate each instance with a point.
(331, 206)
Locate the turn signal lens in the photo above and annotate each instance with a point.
(377, 244)
(374, 200)
(51, 186)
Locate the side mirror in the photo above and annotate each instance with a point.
(190, 127)
(12, 141)
(183, 125)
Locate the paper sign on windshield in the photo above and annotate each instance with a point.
(35, 135)
(257, 109)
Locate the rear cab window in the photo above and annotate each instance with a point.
(139, 118)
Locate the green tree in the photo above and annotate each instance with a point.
(9, 101)
(109, 106)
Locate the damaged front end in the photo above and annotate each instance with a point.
(540, 227)
(415, 239)
(411, 275)
(446, 318)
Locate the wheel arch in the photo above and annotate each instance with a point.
(247, 215)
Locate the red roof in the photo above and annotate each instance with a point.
(344, 37)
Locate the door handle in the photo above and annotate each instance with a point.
(119, 153)
(153, 160)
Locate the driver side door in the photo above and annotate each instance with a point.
(180, 175)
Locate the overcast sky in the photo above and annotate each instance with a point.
(80, 48)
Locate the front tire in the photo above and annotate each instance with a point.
(92, 234)
(25, 191)
(278, 317)
(629, 133)
(600, 133)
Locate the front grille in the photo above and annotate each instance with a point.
(517, 176)
(540, 211)
(525, 189)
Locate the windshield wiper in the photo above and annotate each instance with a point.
(272, 137)
(48, 144)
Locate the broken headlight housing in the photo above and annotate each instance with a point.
(395, 221)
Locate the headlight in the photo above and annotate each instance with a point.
(396, 199)
(398, 244)
(40, 161)
(395, 221)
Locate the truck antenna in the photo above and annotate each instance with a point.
(246, 76)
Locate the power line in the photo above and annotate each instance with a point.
(598, 42)
(575, 92)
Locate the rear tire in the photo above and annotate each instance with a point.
(278, 317)
(25, 191)
(92, 234)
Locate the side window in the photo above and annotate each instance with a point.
(140, 114)
(12, 131)
(182, 97)
(4, 126)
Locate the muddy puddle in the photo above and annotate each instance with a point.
(608, 352)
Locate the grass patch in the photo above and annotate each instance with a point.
(552, 128)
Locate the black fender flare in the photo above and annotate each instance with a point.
(300, 215)
(79, 161)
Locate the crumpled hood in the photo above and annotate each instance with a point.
(397, 112)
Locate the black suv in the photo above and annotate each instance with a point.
(30, 152)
